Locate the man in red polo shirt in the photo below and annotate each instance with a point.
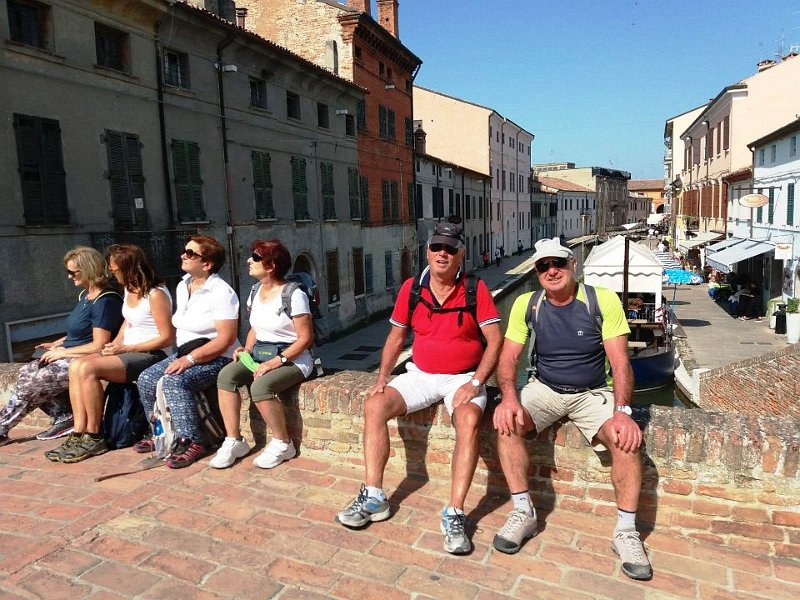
(450, 364)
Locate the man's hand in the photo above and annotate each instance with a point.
(378, 387)
(464, 394)
(509, 418)
(625, 433)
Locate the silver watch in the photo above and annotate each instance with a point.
(284, 360)
(475, 382)
(624, 409)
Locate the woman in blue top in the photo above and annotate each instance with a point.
(92, 323)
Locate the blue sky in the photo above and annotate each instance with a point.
(594, 80)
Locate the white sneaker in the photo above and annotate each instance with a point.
(227, 454)
(276, 452)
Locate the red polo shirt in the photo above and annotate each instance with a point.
(440, 344)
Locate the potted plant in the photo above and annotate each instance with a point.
(793, 320)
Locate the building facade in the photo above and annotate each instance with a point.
(576, 204)
(482, 140)
(119, 130)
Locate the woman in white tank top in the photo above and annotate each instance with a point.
(141, 342)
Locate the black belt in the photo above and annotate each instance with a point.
(563, 389)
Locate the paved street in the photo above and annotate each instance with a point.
(245, 533)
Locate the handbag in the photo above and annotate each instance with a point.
(191, 345)
(264, 351)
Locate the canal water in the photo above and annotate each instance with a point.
(504, 299)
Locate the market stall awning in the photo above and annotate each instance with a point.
(655, 219)
(717, 246)
(667, 260)
(699, 239)
(722, 261)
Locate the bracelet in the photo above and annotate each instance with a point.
(191, 360)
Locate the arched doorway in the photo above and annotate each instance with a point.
(304, 263)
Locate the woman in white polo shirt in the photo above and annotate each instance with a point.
(205, 323)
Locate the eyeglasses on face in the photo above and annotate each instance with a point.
(191, 254)
(542, 266)
(257, 257)
(451, 250)
(73, 273)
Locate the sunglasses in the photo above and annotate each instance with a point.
(543, 266)
(451, 250)
(190, 254)
(72, 273)
(257, 257)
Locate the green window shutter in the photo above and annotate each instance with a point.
(362, 114)
(409, 132)
(364, 198)
(262, 184)
(328, 194)
(352, 191)
(299, 189)
(382, 131)
(790, 204)
(771, 211)
(390, 133)
(387, 211)
(395, 201)
(188, 184)
(121, 199)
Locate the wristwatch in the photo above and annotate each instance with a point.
(475, 382)
(624, 409)
(284, 360)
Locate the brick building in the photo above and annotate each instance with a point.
(348, 41)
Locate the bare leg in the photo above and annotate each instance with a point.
(230, 405)
(466, 419)
(626, 472)
(78, 412)
(378, 410)
(86, 376)
(514, 456)
(273, 415)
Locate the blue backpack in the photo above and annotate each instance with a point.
(124, 421)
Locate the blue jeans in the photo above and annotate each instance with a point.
(179, 391)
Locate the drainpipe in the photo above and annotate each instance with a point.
(225, 166)
(502, 190)
(162, 128)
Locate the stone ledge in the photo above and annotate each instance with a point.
(724, 477)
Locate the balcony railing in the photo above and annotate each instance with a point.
(162, 247)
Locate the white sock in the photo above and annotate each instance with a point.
(374, 492)
(522, 501)
(626, 521)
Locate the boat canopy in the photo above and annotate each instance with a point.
(604, 268)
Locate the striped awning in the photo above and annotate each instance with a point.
(722, 261)
(666, 259)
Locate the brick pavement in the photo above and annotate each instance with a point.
(246, 533)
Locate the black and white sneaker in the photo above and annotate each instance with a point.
(57, 429)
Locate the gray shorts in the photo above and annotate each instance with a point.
(588, 410)
(234, 375)
(136, 362)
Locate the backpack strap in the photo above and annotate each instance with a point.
(472, 295)
(531, 313)
(251, 297)
(286, 297)
(593, 306)
(413, 298)
(106, 293)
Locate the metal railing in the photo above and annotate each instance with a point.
(162, 247)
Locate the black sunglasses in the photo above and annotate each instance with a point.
(257, 257)
(192, 254)
(73, 273)
(542, 266)
(451, 250)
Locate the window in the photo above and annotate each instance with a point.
(357, 52)
(350, 126)
(358, 271)
(352, 192)
(726, 132)
(29, 23)
(176, 69)
(438, 202)
(793, 146)
(504, 180)
(368, 274)
(480, 207)
(364, 192)
(362, 114)
(390, 201)
(389, 271)
(381, 69)
(41, 170)
(258, 93)
(719, 138)
(458, 204)
(468, 207)
(323, 116)
(418, 202)
(450, 202)
(332, 267)
(262, 184)
(773, 153)
(292, 105)
(497, 179)
(511, 181)
(111, 46)
(386, 127)
(790, 204)
(409, 127)
(127, 179)
(328, 195)
(299, 189)
(709, 145)
(761, 156)
(188, 183)
(771, 206)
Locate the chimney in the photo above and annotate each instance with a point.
(765, 64)
(387, 16)
(362, 5)
(791, 54)
(241, 15)
(419, 139)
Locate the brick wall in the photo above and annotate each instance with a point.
(768, 384)
(724, 477)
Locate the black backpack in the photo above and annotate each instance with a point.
(124, 420)
(471, 306)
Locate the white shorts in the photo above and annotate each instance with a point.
(421, 390)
